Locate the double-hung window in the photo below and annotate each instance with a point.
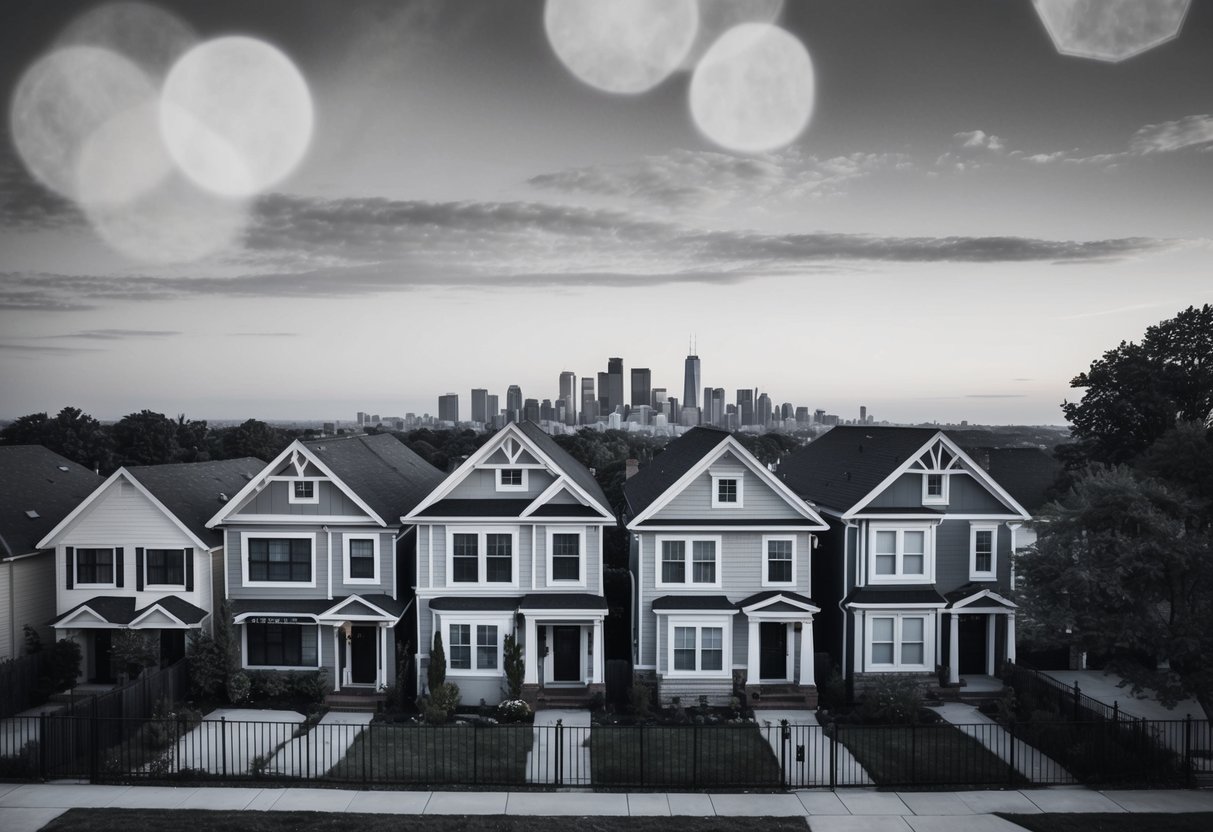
(483, 557)
(897, 642)
(280, 645)
(565, 556)
(95, 566)
(983, 542)
(473, 646)
(279, 559)
(691, 561)
(164, 567)
(900, 555)
(361, 559)
(779, 561)
(934, 489)
(697, 648)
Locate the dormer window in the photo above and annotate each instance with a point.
(304, 491)
(727, 491)
(511, 479)
(934, 489)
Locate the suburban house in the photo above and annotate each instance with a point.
(136, 555)
(915, 573)
(39, 488)
(723, 559)
(315, 558)
(511, 543)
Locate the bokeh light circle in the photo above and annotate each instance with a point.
(236, 115)
(621, 46)
(148, 35)
(1110, 30)
(754, 89)
(718, 16)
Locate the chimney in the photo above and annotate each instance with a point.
(631, 468)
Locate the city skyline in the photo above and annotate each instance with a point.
(967, 221)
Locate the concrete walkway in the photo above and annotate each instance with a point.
(231, 746)
(321, 748)
(23, 727)
(814, 769)
(1106, 688)
(26, 808)
(575, 752)
(1029, 762)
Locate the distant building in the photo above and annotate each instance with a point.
(863, 414)
(568, 395)
(448, 407)
(819, 416)
(589, 404)
(614, 384)
(513, 403)
(690, 382)
(330, 428)
(604, 396)
(802, 416)
(546, 412)
(480, 405)
(530, 410)
(491, 407)
(745, 407)
(642, 386)
(660, 394)
(762, 411)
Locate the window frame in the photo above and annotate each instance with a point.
(899, 576)
(244, 649)
(245, 537)
(940, 499)
(482, 533)
(293, 499)
(974, 573)
(347, 577)
(739, 479)
(700, 622)
(503, 486)
(928, 641)
(689, 581)
(113, 581)
(474, 623)
(580, 532)
(767, 539)
(147, 575)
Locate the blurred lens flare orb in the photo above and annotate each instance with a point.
(753, 90)
(64, 98)
(718, 16)
(148, 35)
(236, 115)
(621, 46)
(1110, 30)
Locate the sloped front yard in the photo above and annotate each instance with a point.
(730, 756)
(934, 755)
(459, 754)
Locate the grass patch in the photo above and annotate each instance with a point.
(139, 820)
(928, 755)
(437, 755)
(1107, 822)
(684, 756)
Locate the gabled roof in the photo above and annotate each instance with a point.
(381, 470)
(120, 611)
(573, 469)
(36, 479)
(1026, 473)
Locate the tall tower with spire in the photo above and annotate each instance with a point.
(691, 377)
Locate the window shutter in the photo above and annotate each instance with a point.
(140, 567)
(70, 552)
(189, 570)
(119, 565)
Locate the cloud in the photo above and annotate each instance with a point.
(263, 334)
(25, 204)
(980, 140)
(1170, 136)
(36, 349)
(118, 334)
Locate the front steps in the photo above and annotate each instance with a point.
(355, 701)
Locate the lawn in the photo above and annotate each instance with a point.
(1135, 822)
(146, 820)
(928, 755)
(434, 755)
(682, 756)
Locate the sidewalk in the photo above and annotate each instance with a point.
(26, 808)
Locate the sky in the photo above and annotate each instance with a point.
(969, 219)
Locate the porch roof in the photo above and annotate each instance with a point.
(473, 603)
(896, 595)
(120, 611)
(975, 597)
(562, 601)
(693, 602)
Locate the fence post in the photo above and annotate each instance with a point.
(223, 742)
(559, 774)
(1011, 756)
(94, 753)
(43, 744)
(1116, 710)
(475, 756)
(694, 756)
(1077, 693)
(640, 728)
(784, 733)
(1188, 748)
(178, 738)
(914, 750)
(833, 755)
(307, 763)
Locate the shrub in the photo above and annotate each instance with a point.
(515, 666)
(268, 685)
(33, 641)
(238, 687)
(435, 715)
(891, 700)
(435, 674)
(444, 698)
(134, 651)
(61, 668)
(640, 699)
(598, 701)
(312, 685)
(513, 710)
(832, 693)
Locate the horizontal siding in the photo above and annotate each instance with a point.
(688, 690)
(481, 484)
(952, 556)
(29, 584)
(759, 500)
(965, 495)
(275, 499)
(527, 582)
(387, 563)
(235, 568)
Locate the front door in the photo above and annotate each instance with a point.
(362, 655)
(103, 643)
(172, 646)
(972, 645)
(566, 654)
(773, 658)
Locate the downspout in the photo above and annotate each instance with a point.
(329, 532)
(846, 566)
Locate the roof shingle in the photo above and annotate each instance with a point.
(381, 470)
(39, 480)
(191, 490)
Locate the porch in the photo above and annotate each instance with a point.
(980, 628)
(562, 648)
(779, 650)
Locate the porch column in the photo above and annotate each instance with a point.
(596, 675)
(381, 674)
(336, 661)
(953, 649)
(807, 676)
(990, 645)
(1011, 637)
(857, 657)
(789, 640)
(530, 654)
(751, 654)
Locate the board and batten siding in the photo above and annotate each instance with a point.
(481, 484)
(274, 499)
(965, 495)
(758, 500)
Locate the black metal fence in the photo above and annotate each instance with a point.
(19, 683)
(722, 757)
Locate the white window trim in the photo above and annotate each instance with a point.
(244, 652)
(689, 540)
(552, 531)
(245, 537)
(739, 479)
(482, 554)
(77, 584)
(142, 564)
(766, 539)
(928, 641)
(496, 619)
(930, 499)
(699, 622)
(293, 500)
(974, 574)
(501, 486)
(928, 564)
(346, 537)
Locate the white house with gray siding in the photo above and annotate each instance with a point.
(135, 555)
(917, 568)
(511, 543)
(315, 558)
(722, 554)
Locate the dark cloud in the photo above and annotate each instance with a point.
(37, 349)
(118, 334)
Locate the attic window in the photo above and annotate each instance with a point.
(304, 491)
(511, 479)
(31, 514)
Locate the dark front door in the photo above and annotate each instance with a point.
(566, 654)
(172, 646)
(362, 655)
(773, 658)
(972, 645)
(103, 643)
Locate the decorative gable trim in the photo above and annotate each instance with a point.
(779, 598)
(334, 613)
(138, 622)
(747, 459)
(78, 620)
(980, 595)
(562, 483)
(930, 447)
(299, 456)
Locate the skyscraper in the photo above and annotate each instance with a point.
(863, 414)
(589, 405)
(690, 382)
(718, 405)
(530, 410)
(480, 405)
(762, 411)
(448, 407)
(568, 395)
(614, 384)
(492, 406)
(513, 403)
(745, 407)
(604, 396)
(642, 386)
(659, 399)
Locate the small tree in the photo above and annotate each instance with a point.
(515, 666)
(435, 674)
(134, 651)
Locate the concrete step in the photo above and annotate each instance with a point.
(355, 702)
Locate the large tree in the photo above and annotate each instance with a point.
(1136, 393)
(72, 433)
(146, 438)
